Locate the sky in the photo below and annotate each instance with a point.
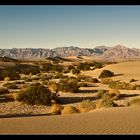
(58, 26)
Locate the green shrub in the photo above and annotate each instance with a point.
(58, 76)
(11, 73)
(86, 106)
(27, 69)
(100, 93)
(83, 66)
(56, 109)
(106, 73)
(68, 86)
(36, 94)
(11, 85)
(69, 110)
(3, 90)
(105, 101)
(122, 85)
(75, 71)
(83, 84)
(19, 82)
(50, 67)
(106, 81)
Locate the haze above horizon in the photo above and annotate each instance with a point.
(59, 26)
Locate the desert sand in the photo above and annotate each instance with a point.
(123, 120)
(116, 120)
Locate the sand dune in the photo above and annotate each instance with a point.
(123, 120)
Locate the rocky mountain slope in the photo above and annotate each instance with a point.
(104, 52)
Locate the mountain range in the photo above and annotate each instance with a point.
(105, 52)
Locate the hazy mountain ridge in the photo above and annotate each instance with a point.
(105, 52)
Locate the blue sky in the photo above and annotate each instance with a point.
(57, 26)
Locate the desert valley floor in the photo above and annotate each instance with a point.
(112, 120)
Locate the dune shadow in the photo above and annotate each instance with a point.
(122, 96)
(4, 99)
(23, 115)
(118, 75)
(70, 100)
(87, 91)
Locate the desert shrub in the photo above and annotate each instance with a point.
(83, 84)
(36, 94)
(29, 79)
(11, 85)
(34, 77)
(47, 67)
(27, 69)
(45, 77)
(106, 81)
(135, 101)
(81, 77)
(68, 86)
(51, 67)
(83, 66)
(115, 94)
(3, 90)
(75, 71)
(58, 76)
(19, 82)
(98, 65)
(132, 80)
(100, 93)
(11, 73)
(105, 101)
(44, 82)
(56, 109)
(69, 110)
(57, 68)
(7, 78)
(106, 73)
(86, 106)
(122, 85)
(53, 86)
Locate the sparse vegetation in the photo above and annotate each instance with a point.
(86, 106)
(35, 95)
(69, 85)
(69, 110)
(75, 71)
(10, 73)
(3, 90)
(106, 81)
(56, 109)
(11, 85)
(105, 101)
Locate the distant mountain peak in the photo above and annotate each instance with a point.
(105, 52)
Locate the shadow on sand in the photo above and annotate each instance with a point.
(23, 115)
(123, 96)
(70, 100)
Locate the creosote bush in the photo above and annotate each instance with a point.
(36, 94)
(86, 106)
(69, 110)
(3, 90)
(11, 85)
(69, 85)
